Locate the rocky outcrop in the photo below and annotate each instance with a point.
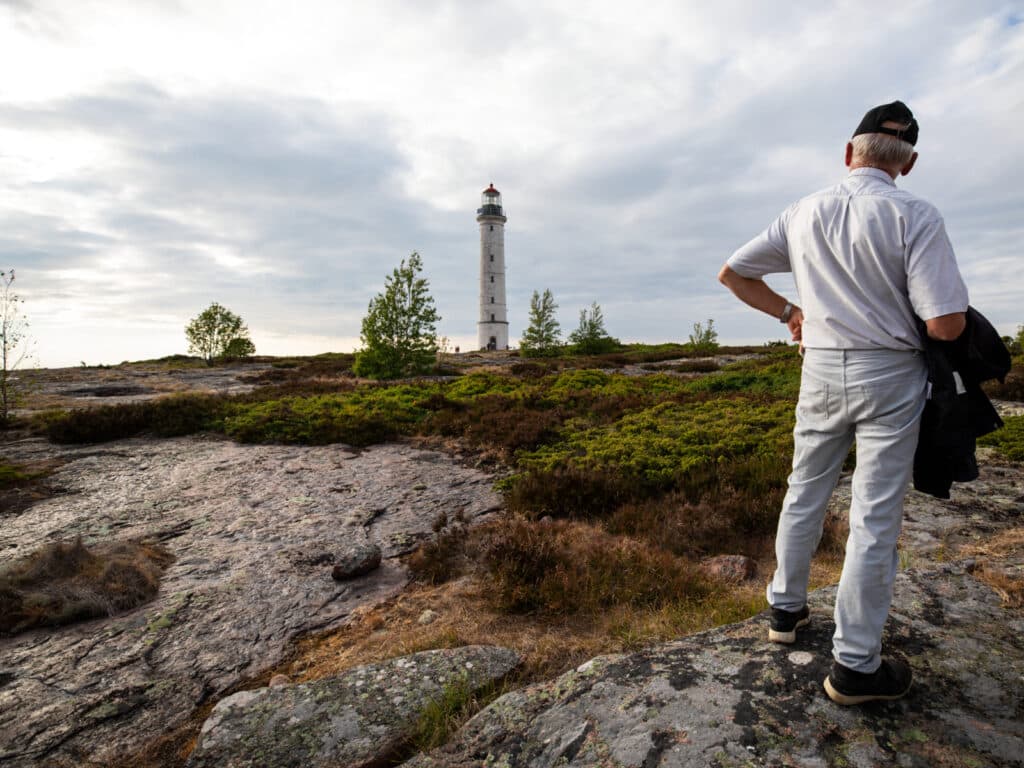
(358, 719)
(729, 698)
(255, 531)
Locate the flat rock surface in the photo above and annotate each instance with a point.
(359, 718)
(90, 387)
(254, 529)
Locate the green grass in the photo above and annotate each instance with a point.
(14, 474)
(444, 715)
(655, 445)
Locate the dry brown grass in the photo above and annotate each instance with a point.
(1001, 565)
(1009, 586)
(67, 581)
(549, 643)
(1006, 543)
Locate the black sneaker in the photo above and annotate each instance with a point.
(784, 624)
(890, 681)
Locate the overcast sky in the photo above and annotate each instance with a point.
(282, 157)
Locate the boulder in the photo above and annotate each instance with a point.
(732, 568)
(360, 718)
(356, 560)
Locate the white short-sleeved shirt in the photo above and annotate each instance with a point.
(866, 258)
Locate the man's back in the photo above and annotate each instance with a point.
(866, 258)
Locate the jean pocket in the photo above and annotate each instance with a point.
(893, 404)
(813, 403)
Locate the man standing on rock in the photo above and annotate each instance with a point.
(867, 259)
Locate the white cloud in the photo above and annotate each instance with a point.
(282, 157)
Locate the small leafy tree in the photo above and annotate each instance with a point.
(239, 346)
(544, 334)
(218, 332)
(399, 333)
(13, 343)
(591, 338)
(704, 338)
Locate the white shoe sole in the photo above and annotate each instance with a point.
(787, 637)
(846, 700)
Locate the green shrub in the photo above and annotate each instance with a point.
(653, 353)
(1009, 440)
(778, 379)
(319, 420)
(656, 446)
(477, 384)
(166, 417)
(704, 339)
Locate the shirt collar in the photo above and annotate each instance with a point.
(877, 173)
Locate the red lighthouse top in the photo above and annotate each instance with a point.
(490, 204)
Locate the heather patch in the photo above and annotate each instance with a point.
(67, 581)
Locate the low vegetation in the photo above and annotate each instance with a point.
(1009, 440)
(443, 715)
(67, 581)
(12, 475)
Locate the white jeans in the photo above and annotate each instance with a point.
(875, 397)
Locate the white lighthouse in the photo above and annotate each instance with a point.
(492, 328)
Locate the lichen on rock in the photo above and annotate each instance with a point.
(359, 718)
(727, 697)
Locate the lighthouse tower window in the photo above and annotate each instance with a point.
(492, 299)
(492, 318)
(492, 257)
(492, 278)
(492, 227)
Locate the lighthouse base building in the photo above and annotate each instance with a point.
(492, 326)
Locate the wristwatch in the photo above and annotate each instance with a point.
(786, 312)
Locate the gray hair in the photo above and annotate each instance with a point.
(881, 149)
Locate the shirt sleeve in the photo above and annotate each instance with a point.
(934, 282)
(765, 254)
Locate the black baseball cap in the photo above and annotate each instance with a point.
(897, 112)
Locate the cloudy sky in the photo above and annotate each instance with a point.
(282, 157)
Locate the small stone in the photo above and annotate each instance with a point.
(278, 680)
(427, 617)
(357, 560)
(801, 658)
(733, 568)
